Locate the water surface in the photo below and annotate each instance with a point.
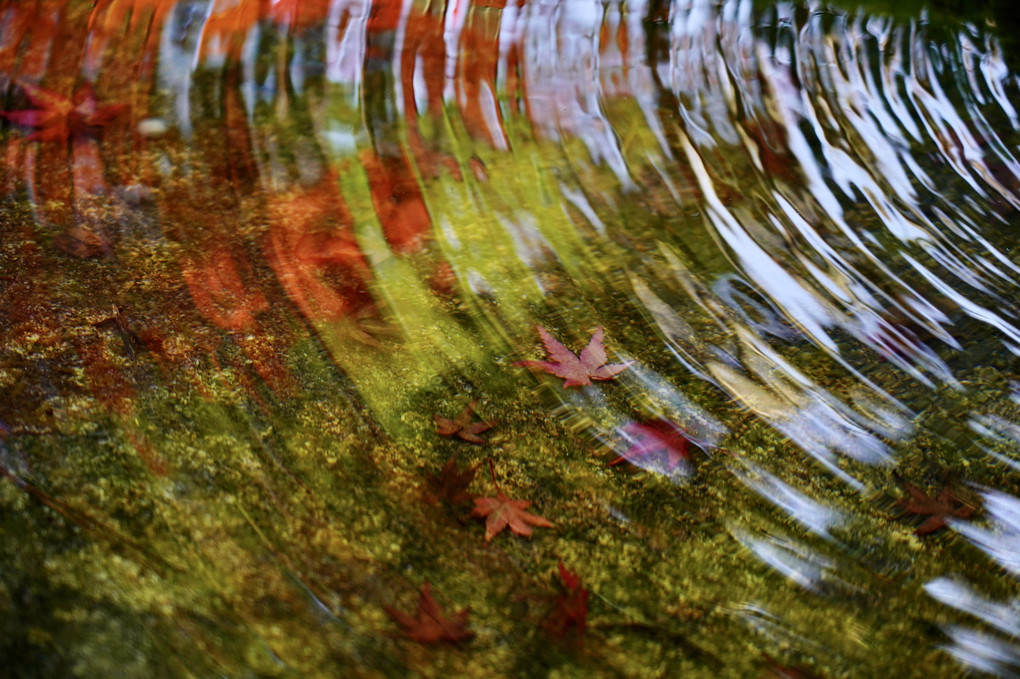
(255, 256)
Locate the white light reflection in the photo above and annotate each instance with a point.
(704, 429)
(1003, 617)
(1002, 540)
(1001, 431)
(345, 49)
(982, 651)
(792, 560)
(769, 624)
(805, 510)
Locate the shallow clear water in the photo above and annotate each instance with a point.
(257, 256)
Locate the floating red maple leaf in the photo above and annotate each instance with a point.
(501, 511)
(569, 606)
(938, 509)
(459, 426)
(652, 441)
(450, 484)
(58, 118)
(577, 370)
(429, 624)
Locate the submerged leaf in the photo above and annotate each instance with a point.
(459, 426)
(652, 441)
(57, 117)
(430, 624)
(501, 511)
(576, 370)
(938, 509)
(450, 484)
(569, 607)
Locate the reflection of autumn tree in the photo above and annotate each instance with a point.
(224, 291)
(136, 23)
(476, 73)
(229, 21)
(219, 291)
(36, 33)
(86, 65)
(396, 195)
(397, 199)
(313, 252)
(203, 204)
(30, 30)
(71, 114)
(227, 25)
(395, 192)
(310, 241)
(423, 56)
(297, 15)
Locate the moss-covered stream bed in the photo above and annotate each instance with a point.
(484, 339)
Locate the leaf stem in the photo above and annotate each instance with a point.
(492, 472)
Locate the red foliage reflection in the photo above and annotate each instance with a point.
(313, 251)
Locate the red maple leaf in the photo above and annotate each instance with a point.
(459, 426)
(938, 509)
(577, 370)
(652, 441)
(429, 624)
(569, 606)
(501, 511)
(450, 484)
(58, 118)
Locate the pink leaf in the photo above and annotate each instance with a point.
(577, 371)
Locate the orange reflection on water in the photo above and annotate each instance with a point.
(313, 252)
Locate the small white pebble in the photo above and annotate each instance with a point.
(152, 127)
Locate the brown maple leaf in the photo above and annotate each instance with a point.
(576, 370)
(501, 511)
(430, 624)
(57, 117)
(450, 484)
(938, 509)
(459, 426)
(652, 441)
(569, 606)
